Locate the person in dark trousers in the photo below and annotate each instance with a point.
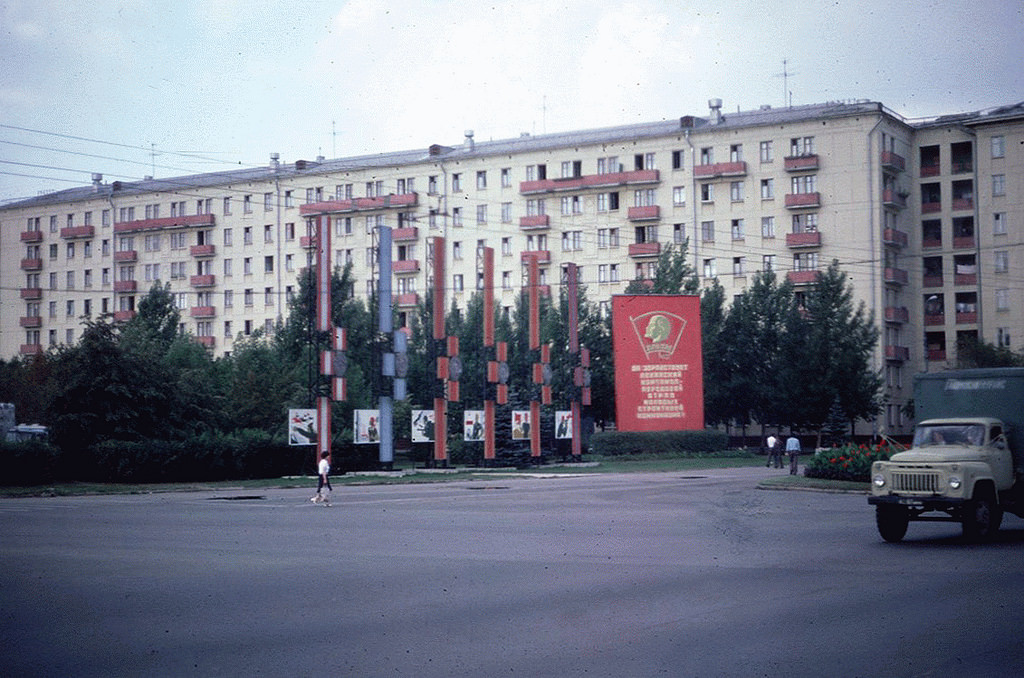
(323, 480)
(774, 452)
(793, 450)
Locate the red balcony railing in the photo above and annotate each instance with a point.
(801, 200)
(202, 250)
(124, 316)
(936, 354)
(208, 280)
(359, 204)
(407, 299)
(802, 277)
(965, 279)
(589, 181)
(644, 249)
(30, 321)
(807, 239)
(126, 285)
(31, 264)
(964, 242)
(966, 318)
(77, 232)
(963, 203)
(893, 161)
(405, 266)
(643, 213)
(31, 236)
(202, 311)
(895, 275)
(535, 221)
(897, 314)
(930, 207)
(542, 256)
(800, 163)
(931, 281)
(720, 169)
(31, 349)
(308, 242)
(403, 234)
(891, 236)
(31, 293)
(931, 170)
(126, 256)
(208, 342)
(891, 198)
(898, 353)
(934, 318)
(164, 222)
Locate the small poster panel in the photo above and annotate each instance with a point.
(422, 426)
(473, 425)
(366, 427)
(520, 424)
(563, 424)
(302, 428)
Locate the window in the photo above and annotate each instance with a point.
(805, 223)
(736, 153)
(707, 155)
(709, 268)
(679, 195)
(268, 296)
(768, 262)
(736, 191)
(481, 214)
(456, 182)
(268, 264)
(767, 154)
(999, 223)
(457, 217)
(1000, 261)
(1003, 337)
(736, 228)
(268, 233)
(457, 250)
(707, 231)
(246, 266)
(608, 165)
(801, 146)
(268, 202)
(247, 297)
(767, 227)
(998, 184)
(572, 241)
(804, 184)
(807, 261)
(481, 179)
(678, 159)
(602, 273)
(679, 233)
(228, 268)
(506, 213)
(707, 192)
(645, 197)
(767, 189)
(998, 147)
(506, 247)
(227, 206)
(737, 266)
(506, 177)
(1002, 299)
(457, 282)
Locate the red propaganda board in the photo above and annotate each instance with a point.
(658, 370)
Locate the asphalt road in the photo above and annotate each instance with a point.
(669, 574)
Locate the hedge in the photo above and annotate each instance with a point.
(619, 443)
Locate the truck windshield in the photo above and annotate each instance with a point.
(949, 434)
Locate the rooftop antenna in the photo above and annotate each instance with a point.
(787, 95)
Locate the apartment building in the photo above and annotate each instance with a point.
(925, 217)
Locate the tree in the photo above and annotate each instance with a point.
(716, 374)
(673, 275)
(155, 327)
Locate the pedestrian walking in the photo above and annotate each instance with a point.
(793, 450)
(774, 452)
(323, 481)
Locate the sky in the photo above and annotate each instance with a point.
(129, 88)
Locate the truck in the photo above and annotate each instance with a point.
(966, 463)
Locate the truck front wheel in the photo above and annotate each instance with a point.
(892, 522)
(982, 517)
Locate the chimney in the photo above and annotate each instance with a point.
(97, 181)
(275, 160)
(468, 143)
(716, 110)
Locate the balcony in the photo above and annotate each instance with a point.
(893, 161)
(30, 321)
(932, 280)
(30, 349)
(612, 179)
(806, 239)
(934, 319)
(897, 314)
(31, 264)
(931, 207)
(896, 276)
(966, 317)
(720, 169)
(73, 232)
(124, 316)
(542, 256)
(31, 293)
(800, 163)
(930, 243)
(897, 353)
(208, 342)
(895, 238)
(891, 198)
(802, 277)
(644, 249)
(404, 234)
(644, 213)
(407, 299)
(405, 266)
(202, 312)
(932, 170)
(359, 204)
(534, 222)
(936, 354)
(795, 201)
(165, 222)
(963, 203)
(965, 279)
(201, 251)
(31, 236)
(308, 242)
(126, 285)
(208, 280)
(126, 256)
(964, 242)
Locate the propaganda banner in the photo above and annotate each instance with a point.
(302, 428)
(658, 368)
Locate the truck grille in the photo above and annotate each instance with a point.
(915, 482)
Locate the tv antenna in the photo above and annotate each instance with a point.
(787, 96)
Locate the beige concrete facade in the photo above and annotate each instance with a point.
(789, 189)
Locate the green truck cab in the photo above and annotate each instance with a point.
(966, 463)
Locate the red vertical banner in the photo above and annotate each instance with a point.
(440, 404)
(492, 365)
(658, 368)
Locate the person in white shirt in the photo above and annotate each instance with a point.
(323, 480)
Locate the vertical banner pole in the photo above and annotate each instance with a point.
(440, 409)
(323, 324)
(574, 354)
(384, 324)
(534, 298)
(491, 379)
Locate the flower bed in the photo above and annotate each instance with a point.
(850, 462)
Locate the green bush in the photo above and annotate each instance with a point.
(618, 443)
(849, 462)
(29, 462)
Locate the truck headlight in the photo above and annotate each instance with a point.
(878, 480)
(955, 482)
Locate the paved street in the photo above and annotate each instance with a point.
(675, 574)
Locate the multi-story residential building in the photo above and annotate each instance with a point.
(925, 217)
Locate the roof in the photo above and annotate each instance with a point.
(469, 149)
